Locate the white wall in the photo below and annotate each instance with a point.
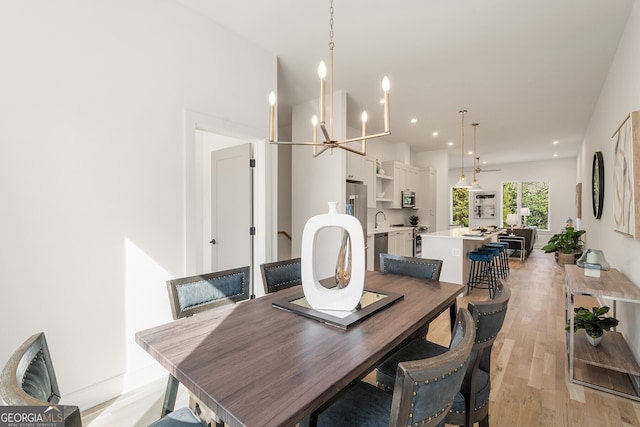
(316, 181)
(620, 95)
(559, 173)
(92, 172)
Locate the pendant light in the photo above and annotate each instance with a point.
(476, 165)
(462, 183)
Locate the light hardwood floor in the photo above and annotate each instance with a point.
(529, 379)
(529, 385)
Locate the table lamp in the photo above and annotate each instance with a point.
(593, 257)
(512, 219)
(525, 212)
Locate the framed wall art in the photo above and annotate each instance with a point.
(484, 204)
(626, 176)
(597, 184)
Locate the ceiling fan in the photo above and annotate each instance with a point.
(478, 169)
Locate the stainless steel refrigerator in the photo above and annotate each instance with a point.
(357, 197)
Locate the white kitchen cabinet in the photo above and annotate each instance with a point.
(413, 179)
(408, 243)
(428, 197)
(370, 181)
(405, 178)
(395, 245)
(384, 187)
(355, 167)
(401, 242)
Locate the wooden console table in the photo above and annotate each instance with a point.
(611, 366)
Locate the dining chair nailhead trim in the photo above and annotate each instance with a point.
(26, 371)
(441, 410)
(242, 288)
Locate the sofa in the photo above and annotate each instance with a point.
(530, 235)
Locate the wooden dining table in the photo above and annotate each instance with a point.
(256, 365)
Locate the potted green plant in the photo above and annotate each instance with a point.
(413, 220)
(567, 245)
(594, 322)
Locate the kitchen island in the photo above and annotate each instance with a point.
(452, 247)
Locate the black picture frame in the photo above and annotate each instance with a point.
(597, 184)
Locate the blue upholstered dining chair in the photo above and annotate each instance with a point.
(281, 275)
(421, 268)
(28, 379)
(425, 389)
(489, 317)
(194, 294)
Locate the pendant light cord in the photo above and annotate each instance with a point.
(463, 112)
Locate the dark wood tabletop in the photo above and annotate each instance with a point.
(256, 365)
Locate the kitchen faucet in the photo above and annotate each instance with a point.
(376, 220)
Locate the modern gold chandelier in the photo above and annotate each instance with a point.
(327, 128)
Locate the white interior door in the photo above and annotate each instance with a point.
(230, 214)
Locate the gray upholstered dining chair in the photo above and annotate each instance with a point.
(425, 389)
(489, 317)
(472, 403)
(421, 268)
(194, 294)
(28, 379)
(281, 275)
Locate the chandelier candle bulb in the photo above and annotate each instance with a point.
(272, 116)
(322, 73)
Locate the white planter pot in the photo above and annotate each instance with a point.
(594, 341)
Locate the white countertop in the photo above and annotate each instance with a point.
(386, 229)
(460, 233)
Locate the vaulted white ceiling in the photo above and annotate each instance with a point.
(528, 71)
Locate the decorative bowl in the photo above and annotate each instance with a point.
(380, 195)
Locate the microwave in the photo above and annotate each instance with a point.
(408, 199)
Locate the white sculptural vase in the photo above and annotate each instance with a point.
(318, 296)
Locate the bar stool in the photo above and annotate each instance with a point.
(503, 260)
(495, 262)
(481, 274)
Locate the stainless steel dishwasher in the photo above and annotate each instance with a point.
(380, 246)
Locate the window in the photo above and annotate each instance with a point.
(527, 194)
(460, 206)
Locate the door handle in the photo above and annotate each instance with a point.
(212, 241)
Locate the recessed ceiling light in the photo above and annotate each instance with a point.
(555, 155)
(556, 142)
(381, 100)
(450, 144)
(414, 120)
(484, 162)
(435, 134)
(470, 152)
